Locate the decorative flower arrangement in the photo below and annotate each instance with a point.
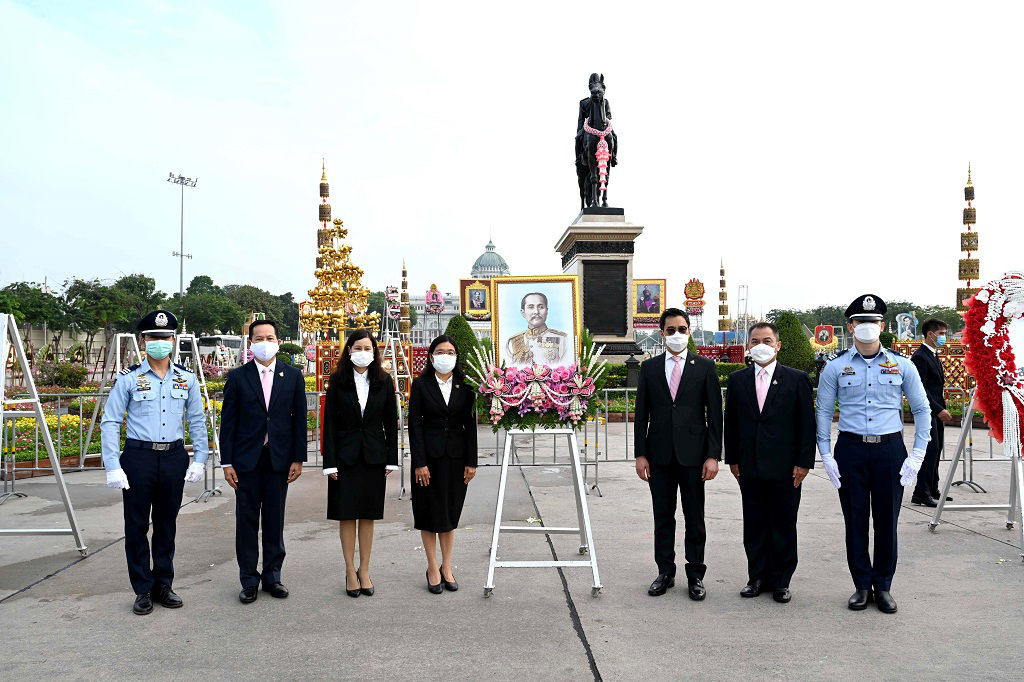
(990, 355)
(539, 395)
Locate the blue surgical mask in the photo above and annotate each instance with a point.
(158, 350)
(940, 340)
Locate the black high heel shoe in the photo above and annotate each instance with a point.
(452, 585)
(355, 592)
(434, 589)
(368, 591)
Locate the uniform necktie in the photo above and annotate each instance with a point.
(762, 388)
(677, 374)
(266, 379)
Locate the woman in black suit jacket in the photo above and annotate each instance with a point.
(360, 450)
(442, 440)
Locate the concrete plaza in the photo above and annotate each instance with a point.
(959, 591)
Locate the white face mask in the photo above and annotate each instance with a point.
(264, 350)
(677, 342)
(762, 353)
(867, 332)
(444, 363)
(362, 358)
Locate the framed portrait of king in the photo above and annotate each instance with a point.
(536, 320)
(648, 302)
(475, 296)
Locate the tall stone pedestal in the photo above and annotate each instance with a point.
(598, 247)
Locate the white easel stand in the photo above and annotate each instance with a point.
(582, 513)
(1013, 508)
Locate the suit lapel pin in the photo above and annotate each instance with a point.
(693, 362)
(775, 383)
(280, 374)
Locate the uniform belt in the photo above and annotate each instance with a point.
(885, 438)
(148, 445)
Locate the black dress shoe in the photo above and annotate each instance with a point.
(450, 585)
(938, 496)
(751, 589)
(276, 590)
(782, 595)
(352, 593)
(859, 600)
(247, 595)
(660, 584)
(143, 604)
(434, 589)
(164, 596)
(368, 591)
(886, 604)
(696, 590)
(926, 500)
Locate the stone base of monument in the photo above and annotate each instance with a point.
(598, 247)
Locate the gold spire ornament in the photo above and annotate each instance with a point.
(970, 268)
(338, 301)
(724, 324)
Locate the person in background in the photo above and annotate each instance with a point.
(442, 442)
(926, 359)
(152, 399)
(360, 450)
(262, 448)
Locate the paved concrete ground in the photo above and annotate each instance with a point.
(959, 592)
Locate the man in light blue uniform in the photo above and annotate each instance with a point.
(152, 399)
(870, 457)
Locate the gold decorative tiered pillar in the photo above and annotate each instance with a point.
(405, 324)
(970, 268)
(724, 323)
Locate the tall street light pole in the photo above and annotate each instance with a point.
(180, 254)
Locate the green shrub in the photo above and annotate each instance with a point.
(796, 348)
(465, 339)
(290, 348)
(614, 376)
(724, 369)
(887, 339)
(63, 374)
(285, 358)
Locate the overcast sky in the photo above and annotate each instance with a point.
(820, 149)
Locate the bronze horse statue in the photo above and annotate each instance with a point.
(596, 145)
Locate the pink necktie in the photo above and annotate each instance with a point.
(266, 396)
(762, 388)
(677, 374)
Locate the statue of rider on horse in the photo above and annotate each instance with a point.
(597, 146)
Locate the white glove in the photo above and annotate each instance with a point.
(332, 470)
(195, 472)
(911, 465)
(117, 479)
(831, 468)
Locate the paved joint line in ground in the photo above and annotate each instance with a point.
(574, 615)
(76, 561)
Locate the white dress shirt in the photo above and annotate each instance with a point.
(262, 370)
(670, 365)
(935, 351)
(362, 381)
(445, 386)
(770, 368)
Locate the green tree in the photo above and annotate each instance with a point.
(691, 345)
(39, 306)
(289, 316)
(93, 307)
(796, 348)
(202, 284)
(209, 312)
(252, 299)
(139, 297)
(9, 304)
(887, 339)
(465, 339)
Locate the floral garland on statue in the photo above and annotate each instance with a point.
(990, 356)
(602, 154)
(538, 395)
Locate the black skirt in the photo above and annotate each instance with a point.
(437, 507)
(357, 494)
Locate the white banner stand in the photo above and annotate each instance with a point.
(582, 514)
(11, 332)
(210, 487)
(116, 356)
(1013, 508)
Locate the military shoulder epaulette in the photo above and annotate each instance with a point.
(893, 351)
(181, 366)
(130, 369)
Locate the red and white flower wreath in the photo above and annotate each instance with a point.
(990, 356)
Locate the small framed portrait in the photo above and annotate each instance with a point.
(476, 298)
(536, 320)
(648, 300)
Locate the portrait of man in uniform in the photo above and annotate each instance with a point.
(648, 299)
(477, 300)
(536, 321)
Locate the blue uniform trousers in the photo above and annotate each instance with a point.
(870, 477)
(156, 480)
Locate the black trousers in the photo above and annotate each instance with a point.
(666, 482)
(928, 476)
(769, 529)
(260, 496)
(870, 487)
(156, 480)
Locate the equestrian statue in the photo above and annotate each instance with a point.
(596, 145)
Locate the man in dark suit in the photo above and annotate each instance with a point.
(262, 448)
(769, 446)
(926, 359)
(678, 442)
